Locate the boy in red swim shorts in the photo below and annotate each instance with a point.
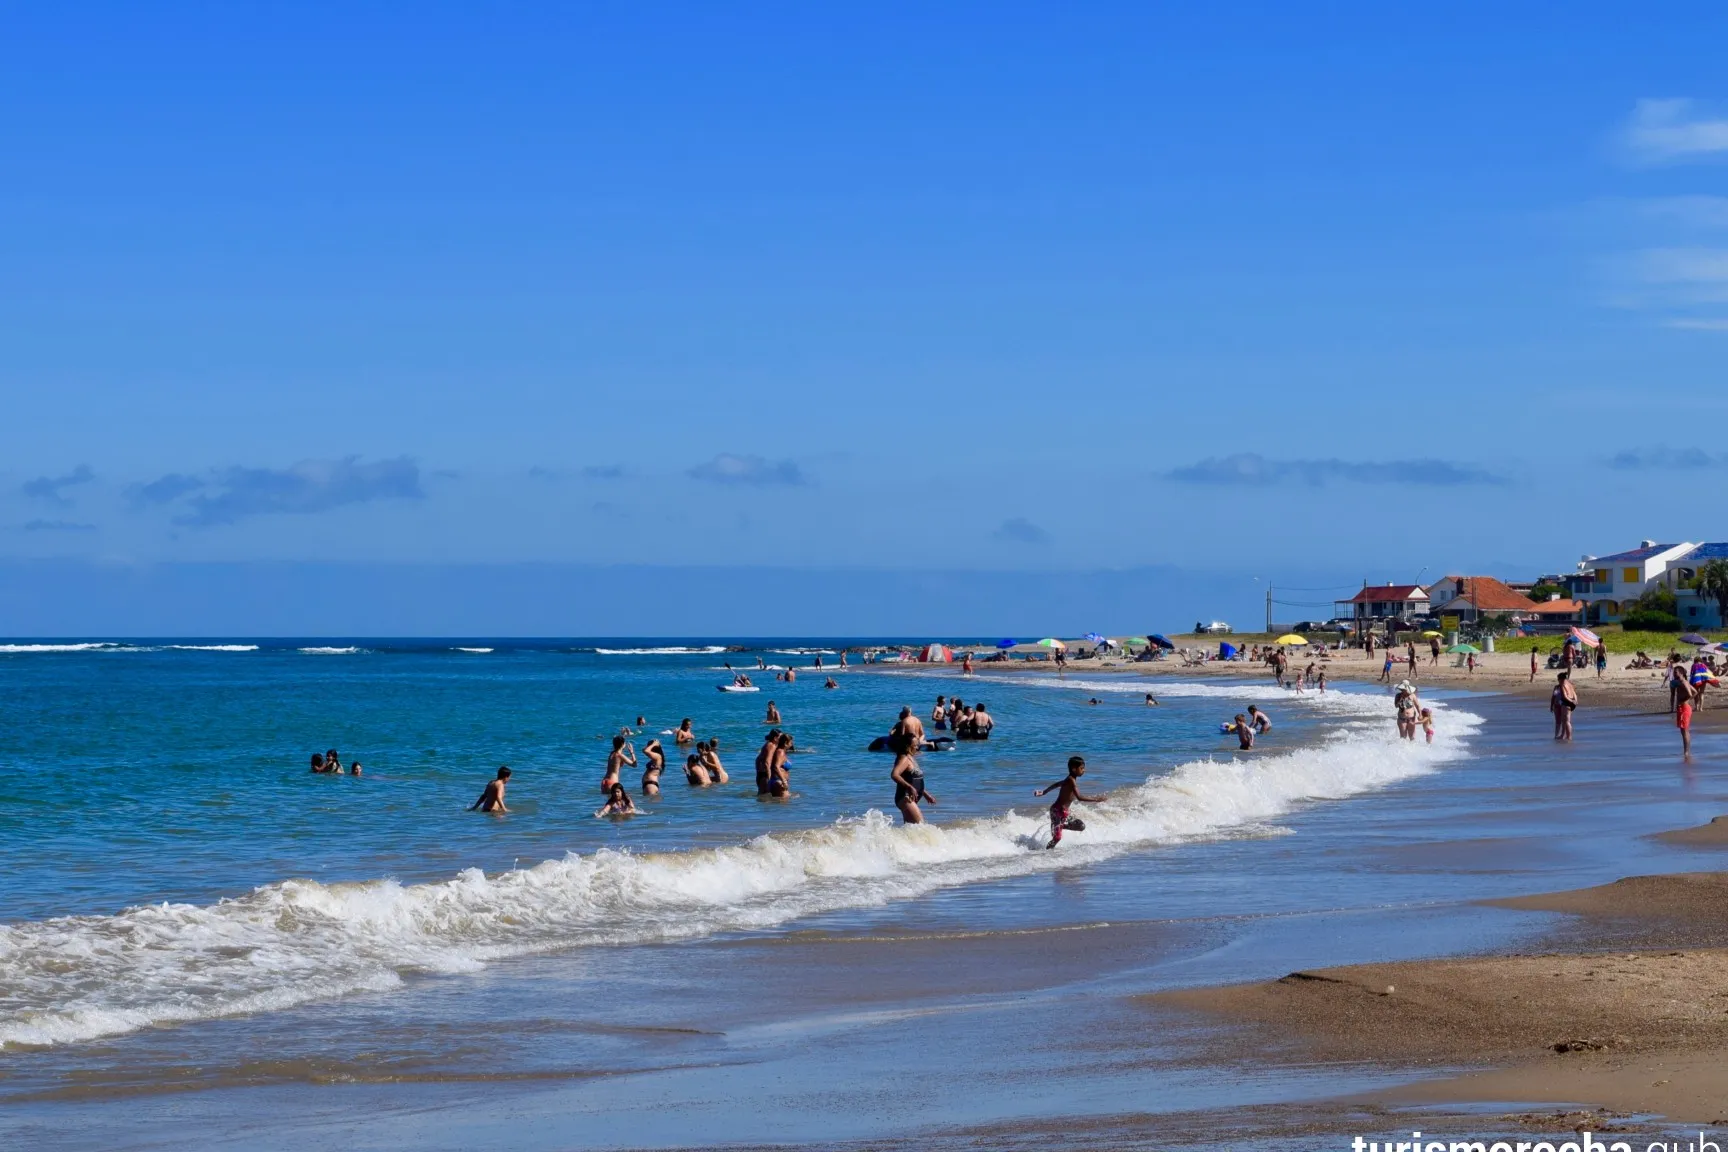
(1683, 715)
(1068, 791)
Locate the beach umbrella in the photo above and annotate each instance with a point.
(1291, 638)
(1588, 638)
(1226, 651)
(1161, 640)
(1470, 648)
(1051, 642)
(1006, 643)
(1432, 635)
(1694, 638)
(1094, 638)
(1140, 640)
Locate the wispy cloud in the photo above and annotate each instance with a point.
(604, 472)
(1251, 469)
(729, 469)
(1692, 211)
(309, 486)
(1672, 131)
(1667, 459)
(1019, 530)
(162, 490)
(57, 526)
(49, 488)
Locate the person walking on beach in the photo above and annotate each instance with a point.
(1678, 686)
(1532, 663)
(1368, 645)
(1683, 718)
(1601, 659)
(1433, 649)
(1067, 793)
(1386, 668)
(492, 798)
(1562, 702)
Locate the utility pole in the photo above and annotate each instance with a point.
(1268, 607)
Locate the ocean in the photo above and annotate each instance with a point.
(176, 876)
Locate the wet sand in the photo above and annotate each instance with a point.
(1641, 1029)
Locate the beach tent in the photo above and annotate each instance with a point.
(936, 654)
(1226, 651)
(1161, 640)
(1585, 637)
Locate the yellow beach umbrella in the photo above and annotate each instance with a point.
(1291, 638)
(1433, 635)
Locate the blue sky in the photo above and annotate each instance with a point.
(1016, 287)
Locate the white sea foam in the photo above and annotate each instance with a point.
(705, 650)
(473, 649)
(76, 978)
(805, 651)
(88, 647)
(215, 647)
(331, 651)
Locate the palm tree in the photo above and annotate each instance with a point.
(1712, 581)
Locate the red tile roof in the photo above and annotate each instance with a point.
(1557, 607)
(1491, 595)
(1378, 593)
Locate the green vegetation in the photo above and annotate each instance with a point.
(1542, 592)
(1656, 611)
(1712, 583)
(1618, 640)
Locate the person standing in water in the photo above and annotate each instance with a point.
(773, 716)
(765, 761)
(709, 754)
(616, 760)
(684, 735)
(1562, 702)
(905, 739)
(1243, 730)
(492, 798)
(696, 772)
(1683, 717)
(656, 757)
(1262, 722)
(1067, 793)
(939, 714)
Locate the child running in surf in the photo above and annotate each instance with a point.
(1068, 791)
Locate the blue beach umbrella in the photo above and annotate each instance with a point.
(1006, 643)
(1094, 638)
(1160, 640)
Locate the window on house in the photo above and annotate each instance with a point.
(1691, 611)
(1629, 575)
(1602, 576)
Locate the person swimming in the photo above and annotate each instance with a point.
(618, 803)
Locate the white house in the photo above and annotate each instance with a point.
(1609, 585)
(1696, 612)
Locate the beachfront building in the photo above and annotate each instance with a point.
(1556, 614)
(1380, 603)
(1471, 598)
(1610, 585)
(1697, 613)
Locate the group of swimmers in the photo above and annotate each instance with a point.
(967, 722)
(330, 764)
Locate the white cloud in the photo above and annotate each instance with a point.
(1669, 131)
(1693, 211)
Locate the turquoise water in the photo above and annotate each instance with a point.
(144, 772)
(170, 859)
